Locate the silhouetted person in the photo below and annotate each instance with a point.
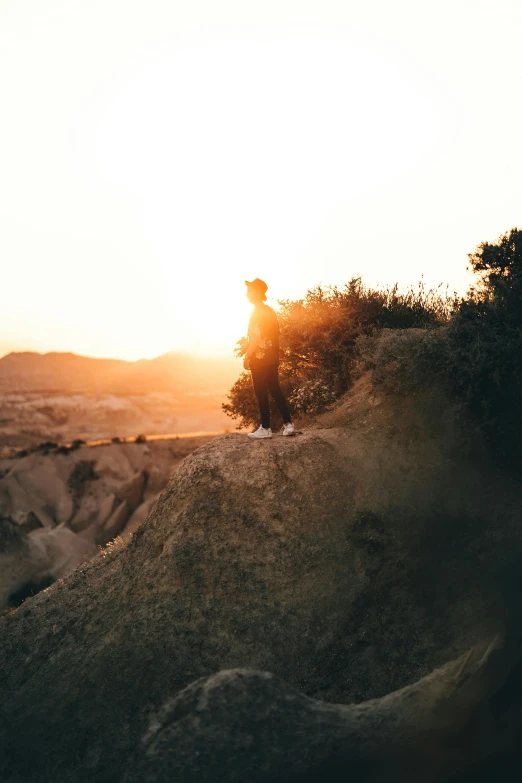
(262, 359)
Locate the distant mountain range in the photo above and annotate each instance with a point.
(180, 373)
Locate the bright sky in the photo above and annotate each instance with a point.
(155, 153)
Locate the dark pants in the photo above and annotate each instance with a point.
(265, 379)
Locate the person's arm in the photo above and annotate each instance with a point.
(253, 345)
(254, 340)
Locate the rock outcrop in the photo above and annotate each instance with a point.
(349, 561)
(242, 725)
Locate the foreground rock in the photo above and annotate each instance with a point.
(349, 561)
(242, 725)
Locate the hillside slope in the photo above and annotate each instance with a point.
(349, 561)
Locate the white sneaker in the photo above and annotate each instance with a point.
(288, 429)
(261, 432)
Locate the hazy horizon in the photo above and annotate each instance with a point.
(204, 144)
(177, 352)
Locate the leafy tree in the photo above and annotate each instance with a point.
(485, 341)
(498, 267)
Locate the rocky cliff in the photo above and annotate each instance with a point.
(349, 561)
(65, 505)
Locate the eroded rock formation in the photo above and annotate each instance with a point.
(244, 725)
(94, 493)
(349, 561)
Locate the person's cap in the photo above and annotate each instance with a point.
(257, 285)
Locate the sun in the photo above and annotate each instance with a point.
(232, 175)
(211, 317)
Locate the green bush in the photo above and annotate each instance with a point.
(476, 355)
(485, 345)
(408, 341)
(312, 396)
(403, 361)
(318, 339)
(319, 332)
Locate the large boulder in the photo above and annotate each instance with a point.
(349, 561)
(242, 725)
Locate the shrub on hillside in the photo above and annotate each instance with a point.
(405, 360)
(409, 341)
(312, 396)
(319, 332)
(485, 344)
(318, 338)
(477, 355)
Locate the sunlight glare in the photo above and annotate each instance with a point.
(237, 152)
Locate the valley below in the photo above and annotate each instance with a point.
(62, 397)
(29, 418)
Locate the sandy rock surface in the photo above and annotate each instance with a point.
(245, 725)
(349, 561)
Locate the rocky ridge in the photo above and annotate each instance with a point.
(349, 561)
